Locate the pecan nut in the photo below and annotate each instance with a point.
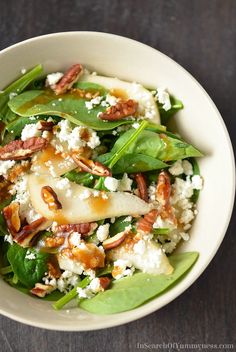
(120, 110)
(45, 125)
(42, 290)
(17, 171)
(142, 186)
(53, 268)
(90, 166)
(26, 234)
(163, 189)
(12, 217)
(83, 229)
(104, 282)
(145, 224)
(19, 150)
(68, 79)
(54, 241)
(50, 198)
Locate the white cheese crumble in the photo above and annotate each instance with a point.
(176, 169)
(75, 239)
(85, 194)
(125, 184)
(53, 78)
(30, 255)
(22, 196)
(187, 167)
(89, 291)
(111, 183)
(146, 108)
(197, 182)
(6, 165)
(64, 184)
(93, 102)
(8, 238)
(23, 70)
(164, 98)
(122, 268)
(103, 232)
(30, 130)
(74, 137)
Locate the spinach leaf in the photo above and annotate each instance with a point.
(68, 105)
(118, 226)
(54, 296)
(162, 147)
(28, 271)
(82, 178)
(196, 171)
(91, 87)
(176, 105)
(16, 87)
(129, 293)
(131, 163)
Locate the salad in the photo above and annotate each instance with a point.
(96, 193)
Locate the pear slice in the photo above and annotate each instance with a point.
(147, 257)
(127, 90)
(81, 204)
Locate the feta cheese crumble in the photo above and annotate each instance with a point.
(164, 98)
(53, 78)
(6, 165)
(30, 255)
(103, 232)
(30, 130)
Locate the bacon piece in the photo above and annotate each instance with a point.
(19, 150)
(42, 290)
(50, 198)
(142, 186)
(93, 167)
(68, 79)
(119, 111)
(83, 229)
(145, 224)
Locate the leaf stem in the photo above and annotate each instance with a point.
(6, 270)
(71, 295)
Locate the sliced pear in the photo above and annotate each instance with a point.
(49, 163)
(81, 204)
(150, 258)
(127, 90)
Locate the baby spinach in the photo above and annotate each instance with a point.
(131, 163)
(176, 105)
(28, 271)
(82, 178)
(91, 87)
(119, 225)
(196, 171)
(162, 147)
(69, 105)
(129, 293)
(17, 87)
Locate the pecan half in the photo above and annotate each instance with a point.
(142, 186)
(12, 217)
(93, 167)
(83, 229)
(26, 234)
(145, 224)
(19, 150)
(104, 282)
(45, 125)
(163, 189)
(54, 241)
(119, 111)
(50, 198)
(18, 170)
(68, 79)
(53, 268)
(42, 290)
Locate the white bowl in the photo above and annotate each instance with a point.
(199, 122)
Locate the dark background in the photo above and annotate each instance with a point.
(201, 36)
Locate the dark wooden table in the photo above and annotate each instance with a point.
(201, 36)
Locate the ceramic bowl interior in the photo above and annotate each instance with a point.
(199, 122)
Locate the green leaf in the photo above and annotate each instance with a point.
(131, 163)
(129, 293)
(17, 87)
(176, 105)
(82, 178)
(28, 271)
(118, 226)
(91, 87)
(149, 143)
(54, 296)
(68, 105)
(196, 171)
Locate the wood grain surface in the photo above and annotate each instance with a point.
(201, 36)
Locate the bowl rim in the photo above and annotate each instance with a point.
(136, 313)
